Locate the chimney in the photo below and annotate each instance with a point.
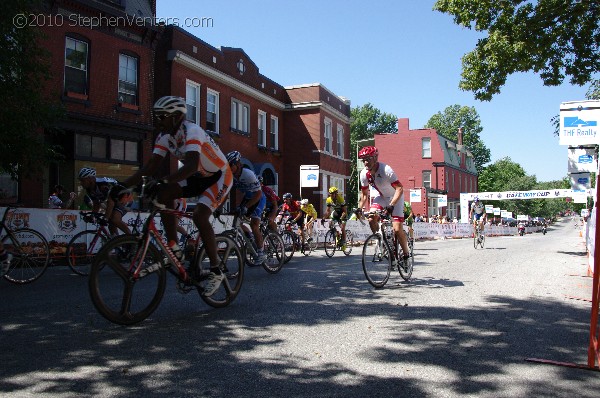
(460, 136)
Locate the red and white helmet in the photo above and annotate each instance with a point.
(367, 152)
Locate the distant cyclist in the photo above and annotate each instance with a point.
(271, 205)
(477, 214)
(337, 210)
(310, 215)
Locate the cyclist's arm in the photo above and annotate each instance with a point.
(149, 169)
(255, 198)
(363, 198)
(397, 195)
(190, 166)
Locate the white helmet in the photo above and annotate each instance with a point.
(168, 105)
(304, 202)
(87, 172)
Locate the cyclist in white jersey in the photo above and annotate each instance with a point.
(386, 193)
(205, 173)
(477, 214)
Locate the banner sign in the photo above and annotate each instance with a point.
(415, 195)
(309, 176)
(579, 123)
(442, 200)
(580, 181)
(582, 159)
(496, 211)
(489, 208)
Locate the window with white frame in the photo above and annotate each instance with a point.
(337, 182)
(240, 116)
(128, 85)
(426, 144)
(340, 141)
(262, 128)
(274, 132)
(328, 136)
(76, 66)
(427, 178)
(192, 101)
(212, 111)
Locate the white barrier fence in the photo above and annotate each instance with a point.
(59, 226)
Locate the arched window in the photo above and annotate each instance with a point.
(268, 177)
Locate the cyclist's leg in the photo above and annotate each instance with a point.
(167, 195)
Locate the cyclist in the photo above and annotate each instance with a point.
(253, 202)
(271, 205)
(205, 173)
(101, 195)
(55, 202)
(292, 207)
(386, 192)
(409, 217)
(310, 215)
(477, 214)
(336, 210)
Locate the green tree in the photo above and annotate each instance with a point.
(25, 114)
(557, 39)
(447, 123)
(366, 121)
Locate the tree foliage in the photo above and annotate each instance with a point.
(366, 121)
(447, 123)
(556, 39)
(25, 114)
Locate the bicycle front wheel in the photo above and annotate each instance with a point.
(406, 266)
(475, 238)
(289, 245)
(376, 261)
(232, 265)
(30, 255)
(330, 242)
(82, 249)
(116, 293)
(349, 243)
(274, 249)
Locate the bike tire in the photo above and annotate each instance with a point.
(330, 243)
(233, 268)
(82, 249)
(349, 242)
(482, 241)
(406, 267)
(314, 243)
(274, 249)
(289, 244)
(30, 255)
(115, 293)
(376, 261)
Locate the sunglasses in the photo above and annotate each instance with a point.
(164, 116)
(368, 159)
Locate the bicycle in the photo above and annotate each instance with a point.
(381, 253)
(127, 261)
(333, 240)
(84, 246)
(478, 237)
(29, 249)
(273, 245)
(292, 235)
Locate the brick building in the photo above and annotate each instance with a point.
(423, 159)
(102, 72)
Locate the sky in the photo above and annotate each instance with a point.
(399, 55)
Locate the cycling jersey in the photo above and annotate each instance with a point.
(248, 184)
(337, 204)
(271, 197)
(214, 178)
(292, 207)
(477, 208)
(309, 210)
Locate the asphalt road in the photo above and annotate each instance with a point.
(462, 327)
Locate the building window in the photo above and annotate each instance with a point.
(212, 111)
(240, 116)
(427, 179)
(269, 178)
(337, 182)
(124, 150)
(274, 132)
(76, 66)
(89, 146)
(262, 129)
(426, 143)
(340, 141)
(128, 86)
(192, 101)
(328, 137)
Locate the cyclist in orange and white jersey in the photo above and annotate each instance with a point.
(386, 193)
(205, 173)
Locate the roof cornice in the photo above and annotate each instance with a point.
(192, 63)
(318, 104)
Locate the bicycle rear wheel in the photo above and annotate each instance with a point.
(330, 242)
(232, 265)
(314, 243)
(274, 249)
(30, 255)
(82, 249)
(376, 261)
(289, 243)
(115, 293)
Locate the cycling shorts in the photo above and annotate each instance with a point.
(380, 203)
(476, 216)
(212, 190)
